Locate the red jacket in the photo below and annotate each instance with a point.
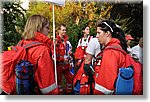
(42, 57)
(60, 48)
(111, 61)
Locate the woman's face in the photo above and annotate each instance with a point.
(128, 42)
(101, 35)
(86, 30)
(141, 42)
(45, 29)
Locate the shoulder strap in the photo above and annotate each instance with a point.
(128, 57)
(89, 38)
(32, 44)
(116, 48)
(80, 41)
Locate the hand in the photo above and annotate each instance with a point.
(55, 41)
(79, 63)
(69, 52)
(88, 70)
(66, 60)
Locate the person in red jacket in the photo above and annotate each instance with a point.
(63, 61)
(36, 30)
(80, 52)
(109, 35)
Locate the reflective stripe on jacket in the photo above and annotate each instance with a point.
(110, 63)
(41, 56)
(103, 89)
(48, 89)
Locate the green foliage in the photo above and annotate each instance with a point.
(62, 14)
(124, 24)
(73, 31)
(133, 43)
(13, 23)
(132, 17)
(74, 15)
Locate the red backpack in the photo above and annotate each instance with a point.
(81, 82)
(137, 68)
(8, 63)
(81, 50)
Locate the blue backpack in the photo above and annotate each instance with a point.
(24, 78)
(124, 82)
(24, 71)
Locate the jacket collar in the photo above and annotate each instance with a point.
(65, 38)
(113, 42)
(43, 38)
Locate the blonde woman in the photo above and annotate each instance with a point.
(35, 32)
(37, 29)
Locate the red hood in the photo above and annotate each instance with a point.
(43, 38)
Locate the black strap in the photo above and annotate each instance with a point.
(125, 77)
(90, 81)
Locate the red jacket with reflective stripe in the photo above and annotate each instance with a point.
(42, 57)
(60, 48)
(111, 61)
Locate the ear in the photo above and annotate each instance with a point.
(83, 31)
(58, 30)
(108, 33)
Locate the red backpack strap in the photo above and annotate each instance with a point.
(80, 41)
(116, 48)
(128, 57)
(89, 38)
(32, 44)
(14, 48)
(20, 43)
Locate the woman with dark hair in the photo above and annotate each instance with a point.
(80, 52)
(116, 32)
(109, 35)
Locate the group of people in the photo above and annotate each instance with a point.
(99, 77)
(100, 73)
(137, 51)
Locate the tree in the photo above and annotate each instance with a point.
(131, 12)
(75, 13)
(13, 23)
